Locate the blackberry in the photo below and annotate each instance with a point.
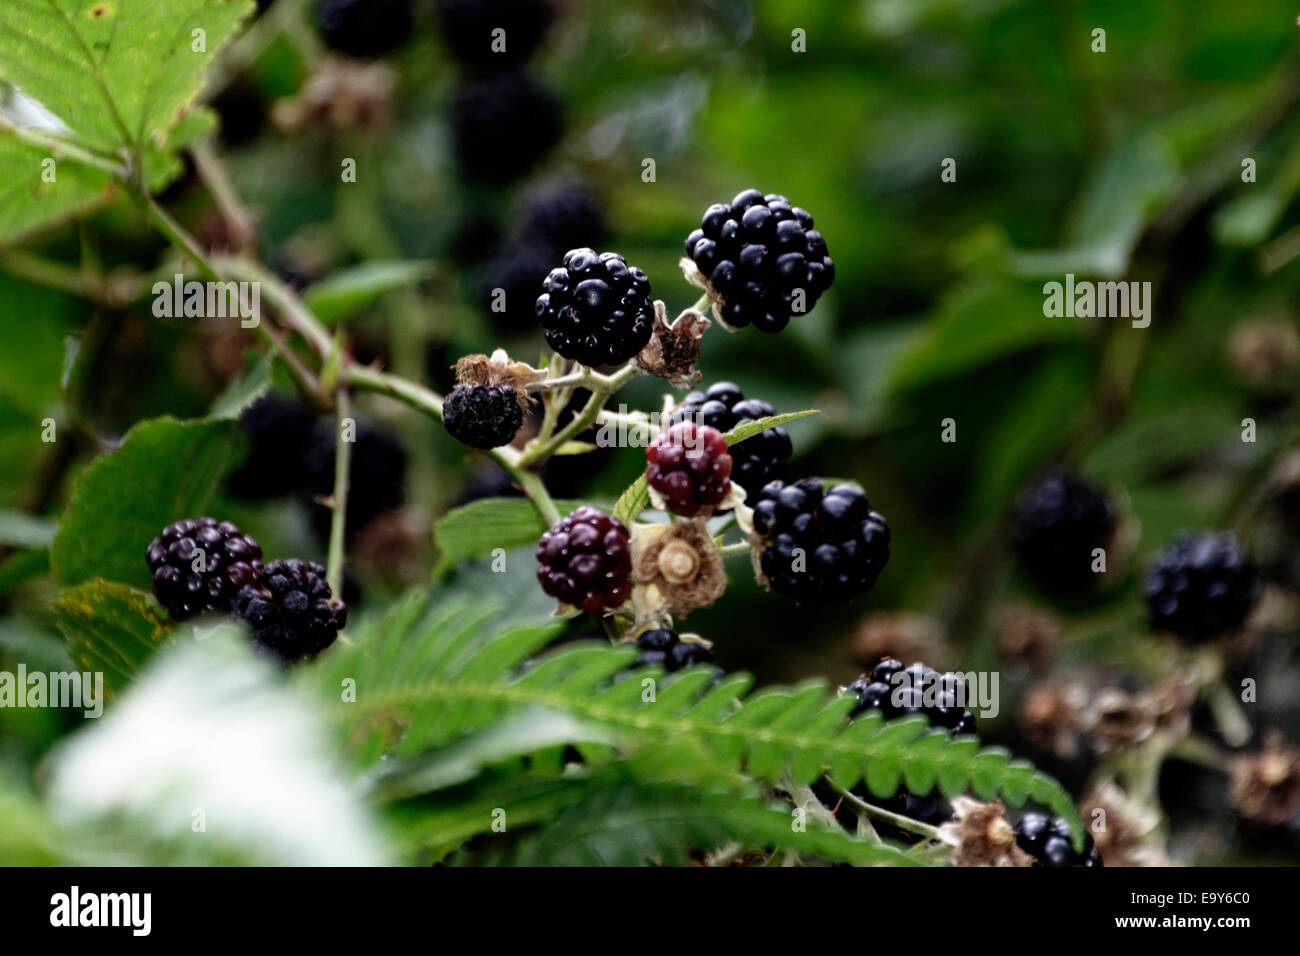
(663, 648)
(231, 560)
(482, 416)
(758, 253)
(277, 430)
(563, 215)
(843, 544)
(291, 609)
(502, 126)
(365, 28)
(596, 308)
(898, 691)
(689, 466)
(241, 111)
(376, 477)
(586, 560)
(468, 25)
(518, 270)
(1201, 587)
(1059, 522)
(1048, 842)
(756, 460)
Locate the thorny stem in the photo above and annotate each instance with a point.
(213, 173)
(339, 498)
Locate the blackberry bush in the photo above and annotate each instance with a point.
(291, 610)
(688, 465)
(229, 561)
(585, 560)
(1201, 587)
(1059, 523)
(596, 309)
(756, 460)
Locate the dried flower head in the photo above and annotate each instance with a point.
(903, 635)
(1263, 350)
(1027, 635)
(677, 567)
(1052, 716)
(1266, 785)
(499, 369)
(343, 94)
(674, 348)
(1117, 719)
(982, 835)
(1123, 832)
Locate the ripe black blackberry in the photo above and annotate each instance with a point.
(758, 253)
(1060, 521)
(596, 308)
(756, 460)
(502, 126)
(365, 28)
(482, 416)
(291, 609)
(586, 561)
(1048, 842)
(468, 25)
(277, 430)
(376, 477)
(1201, 587)
(898, 691)
(843, 544)
(688, 465)
(664, 648)
(231, 560)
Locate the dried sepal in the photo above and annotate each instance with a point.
(673, 351)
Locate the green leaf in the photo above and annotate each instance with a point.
(751, 428)
(111, 628)
(28, 201)
(350, 290)
(243, 391)
(632, 501)
(18, 530)
(164, 470)
(480, 527)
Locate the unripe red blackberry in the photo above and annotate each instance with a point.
(756, 460)
(230, 560)
(586, 561)
(1201, 587)
(596, 308)
(1049, 842)
(819, 545)
(762, 256)
(292, 610)
(482, 416)
(689, 466)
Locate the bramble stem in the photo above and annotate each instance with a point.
(339, 497)
(731, 550)
(701, 303)
(897, 819)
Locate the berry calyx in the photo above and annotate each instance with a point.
(762, 258)
(819, 545)
(365, 28)
(586, 560)
(596, 309)
(1060, 522)
(482, 416)
(898, 691)
(1201, 587)
(664, 648)
(1048, 842)
(199, 564)
(756, 460)
(291, 609)
(688, 465)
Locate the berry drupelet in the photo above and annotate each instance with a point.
(586, 561)
(482, 416)
(763, 257)
(502, 126)
(596, 309)
(898, 691)
(756, 460)
(1059, 523)
(1202, 586)
(292, 610)
(1048, 842)
(365, 28)
(842, 544)
(231, 560)
(663, 648)
(688, 465)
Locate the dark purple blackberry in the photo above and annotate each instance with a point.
(756, 460)
(230, 560)
(365, 28)
(661, 647)
(758, 254)
(482, 416)
(898, 691)
(502, 126)
(1048, 842)
(563, 215)
(510, 283)
(278, 430)
(596, 308)
(468, 25)
(689, 466)
(1202, 586)
(292, 610)
(1059, 523)
(376, 478)
(586, 560)
(819, 545)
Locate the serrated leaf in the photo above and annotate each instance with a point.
(480, 527)
(350, 290)
(164, 470)
(751, 428)
(632, 501)
(111, 628)
(243, 391)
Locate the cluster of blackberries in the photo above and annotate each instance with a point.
(898, 691)
(688, 465)
(291, 452)
(661, 647)
(1060, 522)
(596, 309)
(754, 461)
(586, 560)
(819, 545)
(201, 565)
(1048, 842)
(365, 28)
(482, 416)
(1201, 587)
(763, 258)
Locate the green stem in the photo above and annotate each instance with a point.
(536, 491)
(701, 303)
(731, 550)
(897, 819)
(601, 387)
(339, 498)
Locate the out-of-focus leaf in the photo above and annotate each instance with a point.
(112, 629)
(480, 527)
(351, 290)
(243, 391)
